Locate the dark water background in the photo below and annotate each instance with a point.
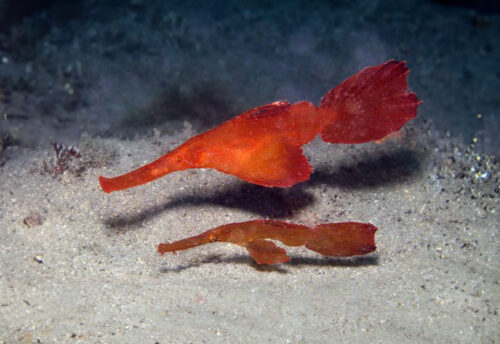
(122, 68)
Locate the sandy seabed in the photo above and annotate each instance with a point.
(79, 265)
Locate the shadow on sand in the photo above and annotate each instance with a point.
(381, 170)
(295, 263)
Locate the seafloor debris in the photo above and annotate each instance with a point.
(91, 153)
(470, 174)
(64, 156)
(4, 141)
(33, 219)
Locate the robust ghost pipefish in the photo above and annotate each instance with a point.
(263, 145)
(343, 239)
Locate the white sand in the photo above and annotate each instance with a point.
(433, 278)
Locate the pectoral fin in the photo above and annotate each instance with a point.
(274, 164)
(266, 252)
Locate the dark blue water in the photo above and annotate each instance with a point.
(124, 67)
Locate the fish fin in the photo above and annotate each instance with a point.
(369, 105)
(266, 252)
(343, 239)
(274, 164)
(274, 110)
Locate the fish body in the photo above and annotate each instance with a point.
(342, 239)
(263, 146)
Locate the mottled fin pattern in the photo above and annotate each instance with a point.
(277, 164)
(343, 239)
(266, 252)
(370, 105)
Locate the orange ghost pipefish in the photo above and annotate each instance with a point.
(263, 145)
(331, 239)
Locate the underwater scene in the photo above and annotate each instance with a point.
(249, 171)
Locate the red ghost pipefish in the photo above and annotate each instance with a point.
(263, 145)
(330, 239)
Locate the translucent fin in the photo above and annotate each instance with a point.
(343, 239)
(370, 105)
(276, 164)
(266, 252)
